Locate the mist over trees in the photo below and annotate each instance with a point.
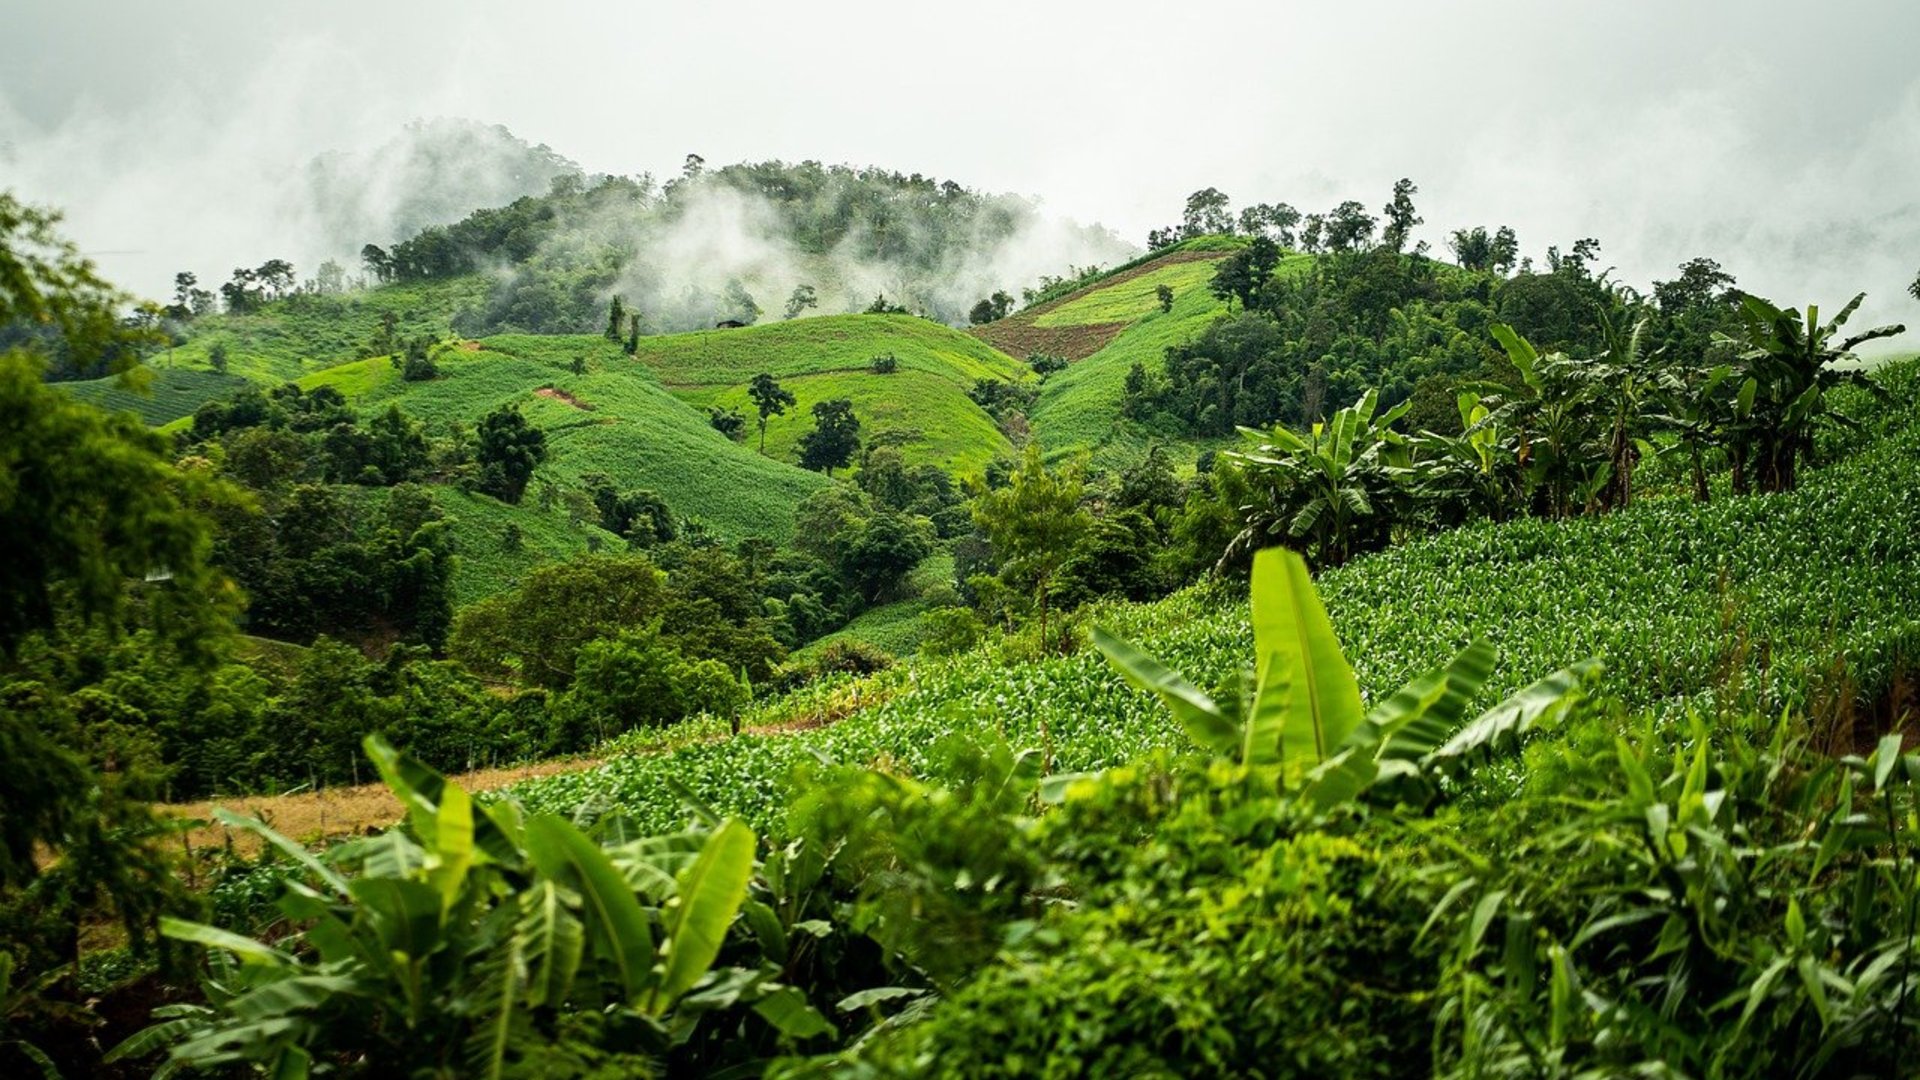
(695, 250)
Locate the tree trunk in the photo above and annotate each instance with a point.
(1700, 492)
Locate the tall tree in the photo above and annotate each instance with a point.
(1207, 212)
(1033, 524)
(1349, 227)
(1400, 214)
(616, 318)
(508, 450)
(771, 399)
(803, 298)
(835, 437)
(184, 284)
(102, 540)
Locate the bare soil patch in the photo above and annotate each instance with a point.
(1017, 336)
(562, 395)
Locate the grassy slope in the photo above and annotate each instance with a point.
(1672, 596)
(828, 357)
(282, 342)
(170, 392)
(1079, 408)
(634, 431)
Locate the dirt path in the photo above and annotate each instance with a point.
(335, 813)
(313, 817)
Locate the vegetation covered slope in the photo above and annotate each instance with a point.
(924, 399)
(614, 419)
(1749, 598)
(279, 342)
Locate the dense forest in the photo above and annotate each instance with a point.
(1456, 664)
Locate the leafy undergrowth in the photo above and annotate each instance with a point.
(1796, 599)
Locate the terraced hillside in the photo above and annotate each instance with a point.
(1104, 329)
(832, 356)
(615, 418)
(281, 342)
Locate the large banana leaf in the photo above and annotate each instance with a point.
(1422, 714)
(1204, 721)
(563, 854)
(297, 852)
(551, 941)
(1306, 699)
(710, 894)
(1540, 704)
(1411, 722)
(247, 949)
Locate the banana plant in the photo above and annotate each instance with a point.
(1300, 723)
(1790, 361)
(430, 946)
(1331, 493)
(1560, 446)
(1474, 470)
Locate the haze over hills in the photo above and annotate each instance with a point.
(1036, 540)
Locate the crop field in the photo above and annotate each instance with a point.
(822, 344)
(1131, 299)
(282, 342)
(488, 565)
(1079, 408)
(829, 357)
(946, 428)
(1739, 603)
(614, 419)
(170, 392)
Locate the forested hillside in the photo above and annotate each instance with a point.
(1283, 651)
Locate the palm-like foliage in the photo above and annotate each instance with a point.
(431, 950)
(1789, 362)
(1474, 471)
(1299, 721)
(1330, 494)
(1695, 406)
(1559, 425)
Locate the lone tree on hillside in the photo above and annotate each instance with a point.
(616, 318)
(508, 452)
(803, 298)
(1349, 227)
(1915, 287)
(835, 437)
(1244, 274)
(1207, 212)
(1401, 216)
(993, 308)
(771, 399)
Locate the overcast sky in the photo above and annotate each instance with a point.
(1781, 138)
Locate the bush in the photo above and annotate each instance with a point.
(950, 631)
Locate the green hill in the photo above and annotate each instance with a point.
(831, 356)
(1104, 328)
(281, 342)
(615, 419)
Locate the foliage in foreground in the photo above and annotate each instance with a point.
(1639, 911)
(478, 942)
